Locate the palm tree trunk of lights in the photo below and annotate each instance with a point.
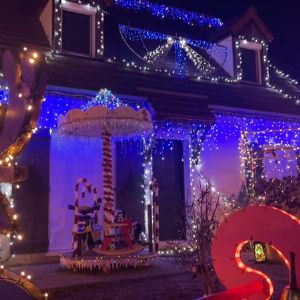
(108, 192)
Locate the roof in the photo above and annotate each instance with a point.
(18, 29)
(251, 15)
(170, 96)
(248, 24)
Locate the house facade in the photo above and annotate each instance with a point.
(219, 107)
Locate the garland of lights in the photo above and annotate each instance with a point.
(59, 103)
(136, 34)
(29, 63)
(226, 125)
(289, 80)
(138, 6)
(201, 64)
(284, 75)
(107, 263)
(7, 206)
(162, 11)
(183, 49)
(24, 281)
(158, 53)
(33, 103)
(99, 20)
(238, 77)
(267, 65)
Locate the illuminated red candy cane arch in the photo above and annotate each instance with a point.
(265, 224)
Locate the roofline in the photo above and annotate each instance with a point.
(251, 12)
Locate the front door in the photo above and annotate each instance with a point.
(129, 180)
(168, 169)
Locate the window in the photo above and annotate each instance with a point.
(251, 61)
(76, 33)
(78, 28)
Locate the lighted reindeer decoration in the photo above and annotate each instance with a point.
(26, 78)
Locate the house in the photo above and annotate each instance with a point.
(211, 88)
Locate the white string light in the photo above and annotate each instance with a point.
(58, 30)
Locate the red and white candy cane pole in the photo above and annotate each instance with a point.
(89, 187)
(155, 191)
(108, 192)
(77, 239)
(156, 223)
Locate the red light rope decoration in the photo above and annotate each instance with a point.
(244, 268)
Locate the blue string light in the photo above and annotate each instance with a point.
(203, 137)
(136, 34)
(3, 90)
(58, 103)
(229, 128)
(199, 44)
(162, 11)
(180, 60)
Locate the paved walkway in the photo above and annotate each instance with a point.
(165, 279)
(49, 276)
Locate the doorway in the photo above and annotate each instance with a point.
(168, 169)
(129, 180)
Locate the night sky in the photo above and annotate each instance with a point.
(281, 17)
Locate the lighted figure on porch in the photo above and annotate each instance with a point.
(86, 231)
(107, 117)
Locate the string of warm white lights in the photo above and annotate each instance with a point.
(158, 53)
(211, 78)
(88, 6)
(147, 178)
(284, 75)
(201, 64)
(7, 160)
(242, 42)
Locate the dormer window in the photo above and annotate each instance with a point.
(77, 36)
(251, 62)
(78, 28)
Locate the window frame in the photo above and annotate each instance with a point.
(83, 10)
(244, 44)
(96, 14)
